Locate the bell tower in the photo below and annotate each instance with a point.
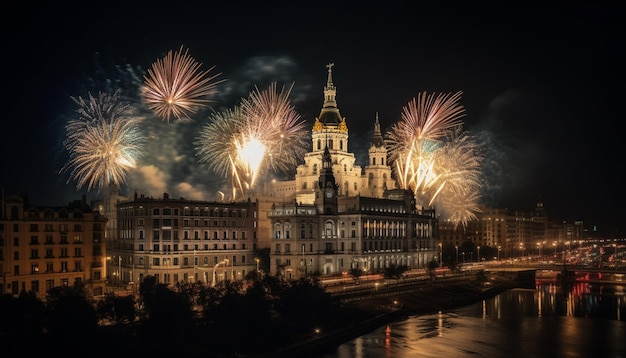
(327, 186)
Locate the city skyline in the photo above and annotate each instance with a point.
(538, 89)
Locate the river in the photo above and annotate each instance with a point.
(578, 320)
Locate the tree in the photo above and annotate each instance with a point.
(21, 318)
(71, 317)
(395, 271)
(117, 309)
(356, 273)
(169, 313)
(431, 267)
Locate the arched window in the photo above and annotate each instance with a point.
(329, 229)
(319, 144)
(315, 168)
(277, 231)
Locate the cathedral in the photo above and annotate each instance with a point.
(335, 215)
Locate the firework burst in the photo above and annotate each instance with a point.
(175, 87)
(264, 133)
(434, 158)
(104, 142)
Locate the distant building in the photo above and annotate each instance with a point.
(513, 233)
(42, 247)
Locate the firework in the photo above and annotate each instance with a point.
(103, 143)
(433, 157)
(176, 87)
(264, 133)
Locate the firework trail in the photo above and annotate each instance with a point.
(264, 133)
(458, 164)
(434, 158)
(103, 143)
(175, 86)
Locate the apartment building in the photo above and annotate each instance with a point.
(42, 247)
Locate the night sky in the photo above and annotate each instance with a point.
(541, 87)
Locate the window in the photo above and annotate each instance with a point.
(277, 231)
(329, 229)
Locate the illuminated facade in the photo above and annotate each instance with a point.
(336, 215)
(45, 247)
(179, 240)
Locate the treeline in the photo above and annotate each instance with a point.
(233, 318)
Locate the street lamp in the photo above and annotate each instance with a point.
(478, 247)
(215, 270)
(499, 249)
(456, 247)
(257, 266)
(119, 268)
(440, 255)
(615, 260)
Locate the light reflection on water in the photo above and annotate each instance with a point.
(582, 320)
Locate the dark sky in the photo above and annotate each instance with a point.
(541, 86)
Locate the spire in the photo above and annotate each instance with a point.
(330, 113)
(329, 84)
(377, 137)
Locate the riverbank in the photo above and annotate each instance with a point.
(392, 308)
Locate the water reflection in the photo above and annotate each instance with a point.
(578, 320)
